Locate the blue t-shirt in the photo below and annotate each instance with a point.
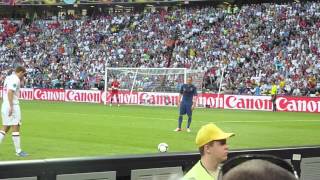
(188, 91)
(257, 91)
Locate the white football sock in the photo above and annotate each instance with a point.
(16, 141)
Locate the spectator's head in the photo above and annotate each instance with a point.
(257, 167)
(212, 142)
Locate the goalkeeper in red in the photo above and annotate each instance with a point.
(189, 97)
(115, 85)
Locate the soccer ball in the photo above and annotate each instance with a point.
(163, 147)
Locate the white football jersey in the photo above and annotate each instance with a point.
(11, 82)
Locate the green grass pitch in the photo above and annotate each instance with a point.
(55, 130)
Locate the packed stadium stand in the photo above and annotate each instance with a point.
(242, 48)
(256, 44)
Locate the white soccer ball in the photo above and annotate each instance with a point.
(163, 147)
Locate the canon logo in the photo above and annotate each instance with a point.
(285, 103)
(158, 98)
(299, 104)
(49, 94)
(124, 97)
(129, 98)
(83, 96)
(26, 94)
(247, 102)
(211, 100)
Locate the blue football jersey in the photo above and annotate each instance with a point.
(188, 91)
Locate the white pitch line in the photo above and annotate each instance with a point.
(249, 121)
(194, 121)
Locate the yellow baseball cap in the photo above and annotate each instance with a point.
(210, 132)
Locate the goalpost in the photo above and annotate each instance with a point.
(156, 80)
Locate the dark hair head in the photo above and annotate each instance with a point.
(257, 167)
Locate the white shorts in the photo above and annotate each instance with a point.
(14, 119)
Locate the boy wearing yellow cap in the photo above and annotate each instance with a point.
(212, 143)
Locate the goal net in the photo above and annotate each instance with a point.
(160, 81)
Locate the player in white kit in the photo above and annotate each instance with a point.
(10, 110)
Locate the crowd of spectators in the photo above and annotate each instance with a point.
(249, 46)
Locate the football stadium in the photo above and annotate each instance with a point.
(159, 89)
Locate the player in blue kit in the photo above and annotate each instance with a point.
(189, 93)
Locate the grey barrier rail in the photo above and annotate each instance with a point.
(122, 166)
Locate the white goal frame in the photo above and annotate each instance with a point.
(166, 71)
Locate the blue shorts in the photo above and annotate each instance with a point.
(186, 109)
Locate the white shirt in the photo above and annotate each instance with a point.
(11, 82)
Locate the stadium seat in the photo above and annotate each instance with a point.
(110, 175)
(22, 178)
(310, 168)
(167, 173)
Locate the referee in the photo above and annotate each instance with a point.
(274, 91)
